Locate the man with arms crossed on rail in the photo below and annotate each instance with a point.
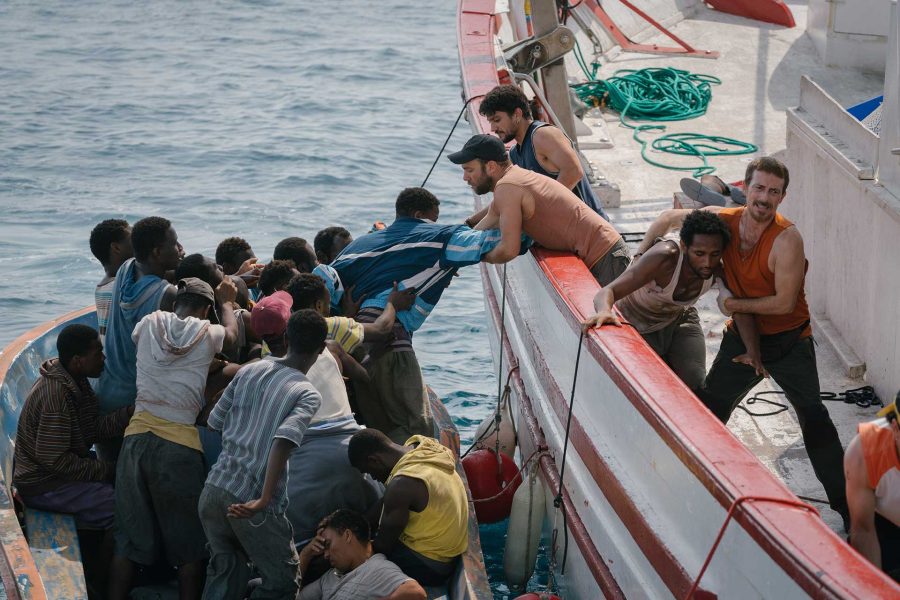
(657, 296)
(765, 267)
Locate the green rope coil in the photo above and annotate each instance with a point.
(664, 94)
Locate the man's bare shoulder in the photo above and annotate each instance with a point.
(549, 135)
(507, 193)
(789, 240)
(855, 463)
(662, 255)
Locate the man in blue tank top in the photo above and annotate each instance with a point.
(540, 147)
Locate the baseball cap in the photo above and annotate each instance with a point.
(483, 146)
(198, 287)
(270, 315)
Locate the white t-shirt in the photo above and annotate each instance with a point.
(376, 578)
(173, 358)
(327, 379)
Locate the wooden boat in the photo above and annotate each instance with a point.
(652, 477)
(44, 560)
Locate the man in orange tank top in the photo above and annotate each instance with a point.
(872, 467)
(541, 208)
(765, 267)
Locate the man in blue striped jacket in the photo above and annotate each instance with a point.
(417, 253)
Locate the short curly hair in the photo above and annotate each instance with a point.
(704, 222)
(770, 165)
(305, 289)
(105, 233)
(296, 249)
(197, 265)
(414, 199)
(148, 234)
(365, 443)
(275, 276)
(306, 332)
(230, 249)
(324, 242)
(345, 519)
(505, 98)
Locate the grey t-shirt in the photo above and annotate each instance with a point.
(376, 578)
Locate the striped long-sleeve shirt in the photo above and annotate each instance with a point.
(56, 430)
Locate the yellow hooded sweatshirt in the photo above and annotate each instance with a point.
(440, 532)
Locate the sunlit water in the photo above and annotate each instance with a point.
(258, 119)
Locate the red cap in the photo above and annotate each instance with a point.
(271, 314)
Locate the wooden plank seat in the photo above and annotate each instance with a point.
(53, 541)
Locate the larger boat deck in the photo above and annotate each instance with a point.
(760, 66)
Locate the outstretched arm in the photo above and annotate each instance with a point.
(475, 219)
(509, 209)
(664, 223)
(383, 327)
(644, 270)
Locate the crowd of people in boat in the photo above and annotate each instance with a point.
(268, 425)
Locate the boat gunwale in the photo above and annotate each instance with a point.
(574, 288)
(18, 561)
(576, 525)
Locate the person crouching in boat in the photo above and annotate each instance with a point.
(423, 521)
(140, 289)
(422, 256)
(657, 294)
(540, 147)
(358, 572)
(263, 415)
(160, 471)
(541, 207)
(765, 268)
(53, 468)
(872, 469)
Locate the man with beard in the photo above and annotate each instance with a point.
(542, 208)
(765, 268)
(540, 147)
(657, 296)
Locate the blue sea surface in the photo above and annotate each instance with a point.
(263, 119)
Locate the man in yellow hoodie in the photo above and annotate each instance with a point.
(423, 524)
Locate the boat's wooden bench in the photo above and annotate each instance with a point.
(53, 540)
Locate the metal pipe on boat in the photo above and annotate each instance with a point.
(523, 534)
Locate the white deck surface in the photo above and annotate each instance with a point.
(760, 68)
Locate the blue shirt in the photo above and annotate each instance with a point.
(266, 400)
(415, 253)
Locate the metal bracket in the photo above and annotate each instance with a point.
(627, 45)
(533, 53)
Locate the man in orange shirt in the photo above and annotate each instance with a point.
(765, 267)
(872, 467)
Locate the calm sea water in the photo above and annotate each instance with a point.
(262, 119)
